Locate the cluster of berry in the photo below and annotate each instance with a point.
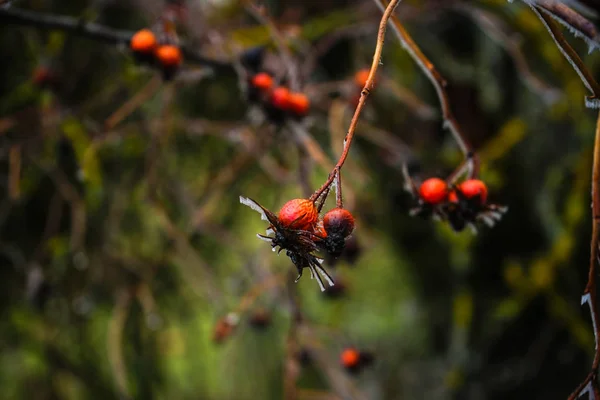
(278, 102)
(147, 49)
(461, 205)
(301, 232)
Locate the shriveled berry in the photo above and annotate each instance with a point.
(350, 358)
(223, 329)
(262, 81)
(280, 98)
(433, 191)
(169, 56)
(338, 221)
(361, 77)
(299, 214)
(299, 104)
(474, 188)
(261, 318)
(143, 41)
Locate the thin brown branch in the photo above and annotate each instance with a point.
(589, 294)
(437, 81)
(369, 84)
(14, 180)
(571, 55)
(133, 103)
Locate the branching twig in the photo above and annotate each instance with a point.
(90, 30)
(439, 83)
(363, 98)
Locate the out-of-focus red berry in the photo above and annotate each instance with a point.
(433, 191)
(350, 358)
(143, 41)
(473, 188)
(452, 197)
(169, 56)
(361, 77)
(262, 81)
(280, 98)
(43, 76)
(299, 214)
(299, 104)
(339, 221)
(224, 328)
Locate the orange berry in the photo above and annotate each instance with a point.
(143, 41)
(474, 187)
(350, 358)
(300, 214)
(280, 98)
(169, 56)
(433, 191)
(299, 104)
(453, 197)
(262, 81)
(361, 77)
(339, 221)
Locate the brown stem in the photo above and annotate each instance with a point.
(589, 294)
(90, 30)
(439, 83)
(363, 97)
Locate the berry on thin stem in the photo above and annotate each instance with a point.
(262, 81)
(474, 188)
(433, 191)
(143, 41)
(339, 221)
(299, 214)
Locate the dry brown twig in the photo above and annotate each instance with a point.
(369, 85)
(439, 83)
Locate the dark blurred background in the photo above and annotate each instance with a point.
(130, 270)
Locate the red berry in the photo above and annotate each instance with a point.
(280, 98)
(361, 77)
(42, 76)
(350, 358)
(339, 221)
(169, 56)
(143, 41)
(300, 214)
(433, 191)
(473, 188)
(299, 104)
(453, 197)
(262, 81)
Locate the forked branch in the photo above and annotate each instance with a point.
(439, 83)
(369, 84)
